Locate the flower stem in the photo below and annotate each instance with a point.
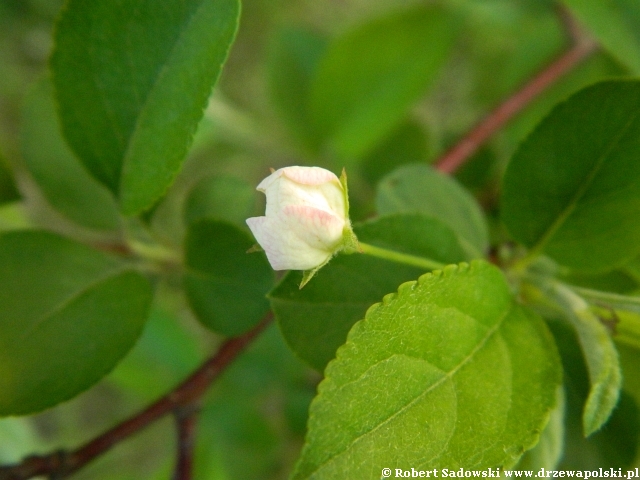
(398, 257)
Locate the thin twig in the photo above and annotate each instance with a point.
(185, 394)
(470, 143)
(186, 419)
(60, 464)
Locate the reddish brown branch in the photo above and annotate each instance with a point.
(183, 396)
(470, 143)
(182, 399)
(186, 425)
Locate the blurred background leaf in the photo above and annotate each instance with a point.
(616, 24)
(259, 117)
(614, 446)
(221, 198)
(8, 189)
(422, 189)
(370, 77)
(225, 285)
(293, 61)
(64, 181)
(407, 143)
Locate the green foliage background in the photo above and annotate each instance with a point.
(381, 88)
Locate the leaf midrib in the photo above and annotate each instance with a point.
(125, 138)
(447, 376)
(568, 210)
(59, 307)
(169, 59)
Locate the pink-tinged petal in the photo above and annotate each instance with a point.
(284, 249)
(304, 219)
(283, 193)
(317, 228)
(267, 182)
(335, 197)
(310, 175)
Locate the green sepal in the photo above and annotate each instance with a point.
(343, 182)
(350, 242)
(255, 248)
(307, 275)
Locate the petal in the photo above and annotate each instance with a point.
(334, 195)
(301, 175)
(283, 193)
(317, 228)
(281, 190)
(310, 175)
(284, 248)
(319, 182)
(266, 183)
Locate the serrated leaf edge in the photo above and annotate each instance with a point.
(404, 288)
(126, 207)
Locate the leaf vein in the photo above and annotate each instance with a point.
(448, 375)
(162, 71)
(568, 210)
(68, 301)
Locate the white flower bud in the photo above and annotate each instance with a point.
(306, 220)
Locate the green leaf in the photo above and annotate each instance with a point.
(506, 44)
(627, 330)
(600, 355)
(370, 76)
(19, 438)
(13, 216)
(165, 354)
(220, 198)
(633, 269)
(235, 441)
(315, 320)
(620, 439)
(236, 434)
(615, 445)
(620, 312)
(68, 315)
(407, 143)
(480, 171)
(225, 285)
(64, 181)
(8, 190)
(451, 350)
(572, 190)
(615, 23)
(132, 81)
(617, 281)
(548, 452)
(420, 188)
(630, 361)
(293, 58)
(595, 68)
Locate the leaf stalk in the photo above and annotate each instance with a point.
(398, 257)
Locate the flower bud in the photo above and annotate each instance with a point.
(306, 220)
